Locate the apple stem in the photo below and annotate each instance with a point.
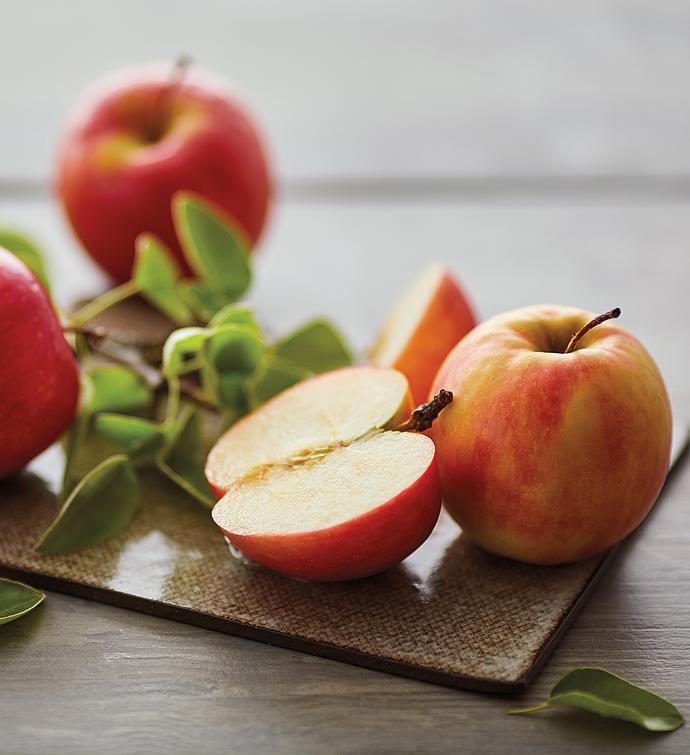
(610, 315)
(164, 106)
(424, 415)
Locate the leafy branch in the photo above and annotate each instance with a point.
(219, 359)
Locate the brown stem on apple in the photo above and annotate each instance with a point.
(164, 105)
(610, 315)
(424, 415)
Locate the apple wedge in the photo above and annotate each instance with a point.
(315, 486)
(422, 328)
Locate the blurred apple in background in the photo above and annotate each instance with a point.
(39, 378)
(428, 320)
(143, 134)
(555, 447)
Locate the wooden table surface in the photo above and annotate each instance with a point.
(538, 148)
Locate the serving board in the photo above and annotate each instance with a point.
(451, 613)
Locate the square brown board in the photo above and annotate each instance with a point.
(450, 614)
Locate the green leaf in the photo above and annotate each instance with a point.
(116, 388)
(599, 691)
(17, 599)
(156, 274)
(99, 507)
(233, 349)
(232, 354)
(183, 461)
(140, 438)
(181, 345)
(215, 247)
(28, 252)
(227, 391)
(236, 314)
(76, 435)
(201, 299)
(274, 376)
(317, 346)
(231, 392)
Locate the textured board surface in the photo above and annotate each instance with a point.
(451, 613)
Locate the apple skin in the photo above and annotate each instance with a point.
(548, 457)
(446, 320)
(39, 380)
(116, 182)
(360, 547)
(447, 317)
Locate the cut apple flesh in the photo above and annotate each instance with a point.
(335, 407)
(422, 328)
(317, 489)
(406, 316)
(326, 488)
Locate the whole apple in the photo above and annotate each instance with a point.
(39, 379)
(140, 136)
(555, 446)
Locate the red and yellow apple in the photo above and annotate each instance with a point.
(314, 485)
(142, 135)
(425, 324)
(39, 379)
(555, 447)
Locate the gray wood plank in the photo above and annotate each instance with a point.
(382, 88)
(348, 261)
(80, 677)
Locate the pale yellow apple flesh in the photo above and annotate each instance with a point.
(424, 325)
(337, 407)
(327, 487)
(405, 316)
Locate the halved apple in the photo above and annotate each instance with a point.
(423, 327)
(315, 486)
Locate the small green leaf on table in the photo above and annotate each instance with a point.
(273, 376)
(27, 251)
(602, 692)
(99, 507)
(140, 438)
(317, 346)
(17, 599)
(156, 275)
(183, 460)
(116, 388)
(215, 247)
